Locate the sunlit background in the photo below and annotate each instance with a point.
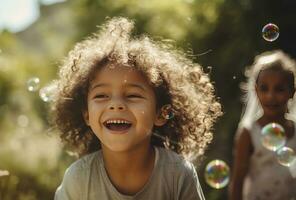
(222, 35)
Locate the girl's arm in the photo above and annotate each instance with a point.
(242, 154)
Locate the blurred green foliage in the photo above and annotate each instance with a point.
(222, 35)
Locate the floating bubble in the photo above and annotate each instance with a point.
(234, 77)
(167, 112)
(217, 174)
(270, 32)
(33, 84)
(273, 136)
(47, 93)
(286, 156)
(22, 121)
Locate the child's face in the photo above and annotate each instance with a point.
(121, 108)
(273, 90)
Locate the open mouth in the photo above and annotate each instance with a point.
(117, 125)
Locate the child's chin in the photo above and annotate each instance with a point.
(274, 114)
(119, 147)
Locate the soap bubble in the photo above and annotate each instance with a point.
(47, 93)
(286, 156)
(217, 174)
(33, 84)
(167, 111)
(270, 32)
(273, 136)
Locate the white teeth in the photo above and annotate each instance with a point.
(117, 122)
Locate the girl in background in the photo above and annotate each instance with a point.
(257, 175)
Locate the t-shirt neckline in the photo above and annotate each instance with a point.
(107, 180)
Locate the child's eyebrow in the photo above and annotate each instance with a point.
(98, 85)
(135, 85)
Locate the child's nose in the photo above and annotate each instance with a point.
(270, 95)
(116, 105)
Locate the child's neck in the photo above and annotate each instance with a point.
(269, 119)
(128, 160)
(129, 171)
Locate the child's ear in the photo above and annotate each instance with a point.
(160, 120)
(85, 116)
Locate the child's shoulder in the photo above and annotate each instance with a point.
(174, 167)
(84, 162)
(76, 174)
(169, 157)
(174, 161)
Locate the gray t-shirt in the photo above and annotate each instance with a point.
(172, 178)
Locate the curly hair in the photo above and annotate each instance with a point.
(176, 80)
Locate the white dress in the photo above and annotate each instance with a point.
(267, 179)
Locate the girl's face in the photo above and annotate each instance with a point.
(121, 108)
(273, 90)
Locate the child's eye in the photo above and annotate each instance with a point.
(100, 96)
(280, 89)
(134, 96)
(263, 88)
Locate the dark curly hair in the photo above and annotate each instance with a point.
(176, 81)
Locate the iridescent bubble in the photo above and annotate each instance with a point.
(286, 156)
(33, 84)
(217, 174)
(167, 111)
(47, 93)
(270, 32)
(273, 136)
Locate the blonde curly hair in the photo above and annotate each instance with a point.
(176, 80)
